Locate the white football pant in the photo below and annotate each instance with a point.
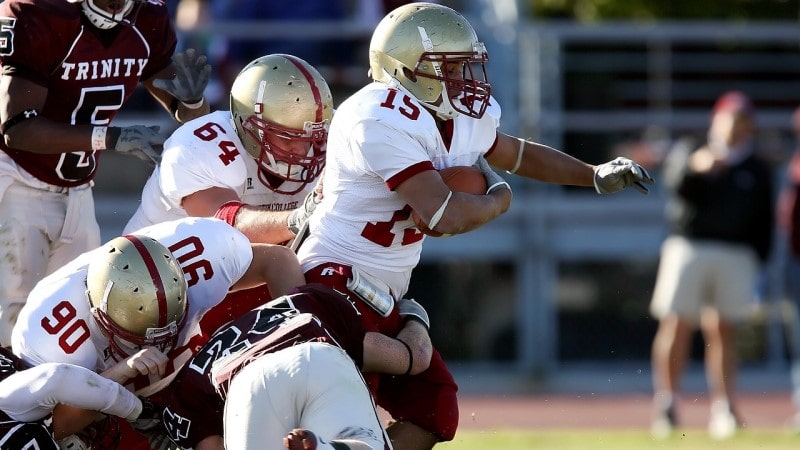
(313, 386)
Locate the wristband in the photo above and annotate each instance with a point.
(99, 138)
(228, 211)
(519, 157)
(410, 357)
(195, 105)
(498, 184)
(437, 216)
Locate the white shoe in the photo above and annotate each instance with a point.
(664, 423)
(723, 423)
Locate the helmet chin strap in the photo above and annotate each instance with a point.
(444, 110)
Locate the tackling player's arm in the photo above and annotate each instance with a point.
(257, 223)
(458, 212)
(275, 265)
(408, 354)
(69, 418)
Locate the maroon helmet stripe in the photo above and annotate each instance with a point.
(311, 83)
(161, 295)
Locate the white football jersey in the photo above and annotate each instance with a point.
(378, 138)
(56, 323)
(201, 154)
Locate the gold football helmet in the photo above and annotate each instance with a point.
(138, 294)
(434, 53)
(105, 19)
(278, 100)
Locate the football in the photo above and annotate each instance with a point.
(459, 179)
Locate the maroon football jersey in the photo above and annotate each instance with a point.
(89, 73)
(193, 408)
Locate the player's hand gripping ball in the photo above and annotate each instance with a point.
(459, 179)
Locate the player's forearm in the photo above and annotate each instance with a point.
(466, 212)
(387, 355)
(70, 420)
(549, 165)
(260, 225)
(44, 136)
(185, 112)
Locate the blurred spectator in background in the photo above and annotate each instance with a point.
(721, 221)
(788, 215)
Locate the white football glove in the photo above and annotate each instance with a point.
(620, 174)
(408, 308)
(137, 140)
(299, 216)
(192, 73)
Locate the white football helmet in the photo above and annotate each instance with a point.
(417, 44)
(285, 97)
(104, 19)
(137, 292)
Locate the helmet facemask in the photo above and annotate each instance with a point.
(106, 20)
(282, 163)
(124, 344)
(467, 94)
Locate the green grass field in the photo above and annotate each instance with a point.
(693, 439)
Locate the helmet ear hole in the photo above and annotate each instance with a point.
(408, 73)
(137, 292)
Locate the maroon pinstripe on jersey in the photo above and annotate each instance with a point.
(194, 409)
(89, 73)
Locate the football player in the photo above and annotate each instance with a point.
(30, 398)
(429, 107)
(68, 66)
(149, 290)
(290, 364)
(262, 155)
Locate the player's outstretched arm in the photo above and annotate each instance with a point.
(542, 163)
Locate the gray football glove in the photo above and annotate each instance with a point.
(149, 418)
(620, 174)
(192, 73)
(408, 308)
(493, 180)
(137, 140)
